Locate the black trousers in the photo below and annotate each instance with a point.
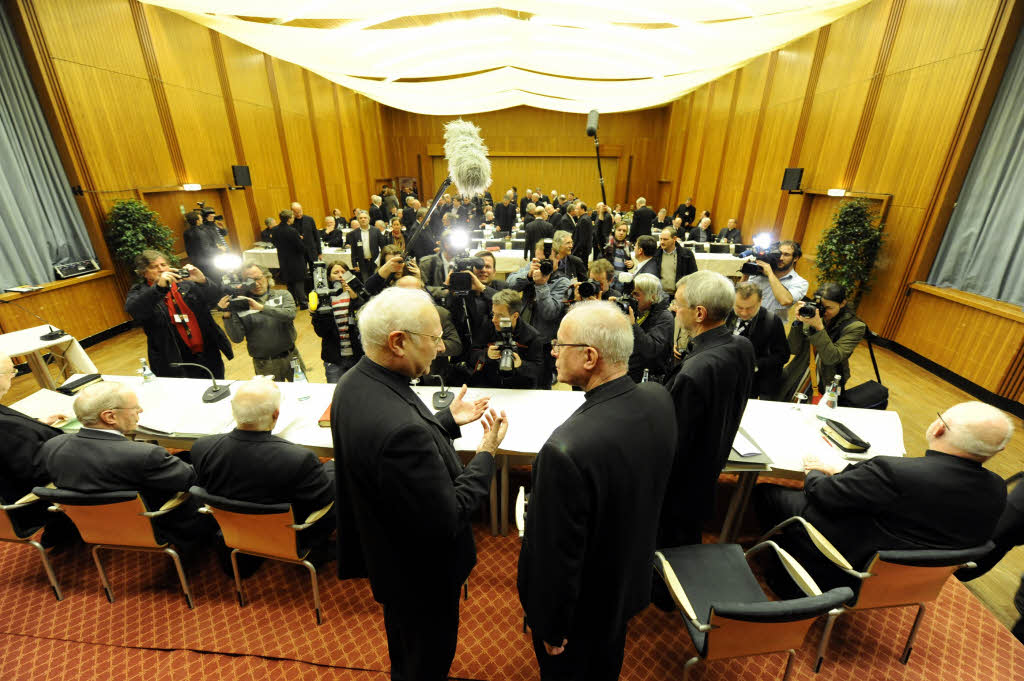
(298, 291)
(422, 637)
(593, 653)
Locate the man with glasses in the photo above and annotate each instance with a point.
(100, 458)
(585, 562)
(268, 326)
(404, 497)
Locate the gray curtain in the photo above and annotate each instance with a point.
(980, 252)
(39, 221)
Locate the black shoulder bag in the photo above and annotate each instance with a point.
(870, 394)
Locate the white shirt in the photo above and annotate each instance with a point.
(793, 282)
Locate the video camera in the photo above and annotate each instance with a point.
(324, 288)
(547, 266)
(806, 311)
(506, 346)
(204, 211)
(461, 281)
(765, 251)
(626, 301)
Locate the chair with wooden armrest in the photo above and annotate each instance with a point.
(116, 520)
(728, 614)
(891, 579)
(14, 531)
(263, 530)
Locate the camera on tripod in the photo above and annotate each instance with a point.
(506, 346)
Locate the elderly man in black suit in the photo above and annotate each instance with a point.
(291, 257)
(505, 213)
(643, 219)
(766, 333)
(710, 393)
(251, 464)
(585, 562)
(672, 262)
(99, 458)
(306, 227)
(364, 244)
(406, 499)
(945, 499)
(582, 231)
(686, 212)
(731, 234)
(537, 229)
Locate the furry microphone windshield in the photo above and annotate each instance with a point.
(468, 165)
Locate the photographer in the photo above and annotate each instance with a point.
(780, 285)
(514, 353)
(437, 268)
(174, 311)
(202, 240)
(652, 329)
(834, 331)
(395, 265)
(486, 273)
(602, 282)
(267, 325)
(340, 348)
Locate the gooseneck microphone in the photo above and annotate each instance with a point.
(51, 335)
(468, 167)
(215, 392)
(443, 397)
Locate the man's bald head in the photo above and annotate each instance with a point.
(972, 428)
(409, 281)
(6, 374)
(256, 404)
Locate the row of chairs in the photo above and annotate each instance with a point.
(121, 521)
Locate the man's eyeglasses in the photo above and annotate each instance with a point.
(556, 346)
(437, 339)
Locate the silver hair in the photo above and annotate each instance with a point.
(376, 200)
(650, 285)
(710, 290)
(96, 399)
(255, 402)
(393, 309)
(602, 326)
(978, 428)
(641, 201)
(559, 239)
(269, 222)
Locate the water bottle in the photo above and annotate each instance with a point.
(147, 374)
(647, 376)
(299, 376)
(830, 400)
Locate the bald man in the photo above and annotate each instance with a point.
(405, 497)
(945, 499)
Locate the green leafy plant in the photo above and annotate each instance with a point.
(849, 248)
(132, 228)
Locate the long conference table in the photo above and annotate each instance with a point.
(506, 261)
(66, 351)
(174, 416)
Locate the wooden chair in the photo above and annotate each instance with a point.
(891, 579)
(263, 530)
(726, 612)
(12, 530)
(116, 520)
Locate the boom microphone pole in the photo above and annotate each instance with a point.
(468, 168)
(592, 132)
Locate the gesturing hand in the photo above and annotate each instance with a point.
(495, 427)
(555, 650)
(466, 412)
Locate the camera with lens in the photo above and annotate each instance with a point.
(237, 287)
(506, 346)
(182, 273)
(626, 301)
(806, 311)
(204, 210)
(547, 266)
(771, 255)
(588, 289)
(461, 281)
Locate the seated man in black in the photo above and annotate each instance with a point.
(251, 464)
(765, 331)
(527, 347)
(945, 499)
(99, 458)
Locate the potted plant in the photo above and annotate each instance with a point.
(849, 248)
(132, 228)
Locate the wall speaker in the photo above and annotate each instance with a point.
(241, 176)
(791, 179)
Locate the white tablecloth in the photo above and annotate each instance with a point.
(66, 349)
(505, 260)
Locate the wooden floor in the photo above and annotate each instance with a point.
(916, 394)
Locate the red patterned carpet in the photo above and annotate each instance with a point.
(148, 632)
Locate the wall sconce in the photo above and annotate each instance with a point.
(837, 192)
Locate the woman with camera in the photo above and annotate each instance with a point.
(173, 308)
(832, 329)
(340, 348)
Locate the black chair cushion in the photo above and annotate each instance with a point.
(785, 611)
(64, 496)
(935, 557)
(235, 506)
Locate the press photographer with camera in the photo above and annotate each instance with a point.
(204, 239)
(173, 308)
(780, 285)
(335, 322)
(437, 268)
(652, 329)
(831, 327)
(513, 356)
(485, 274)
(601, 285)
(265, 318)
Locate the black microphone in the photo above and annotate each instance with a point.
(592, 123)
(51, 335)
(444, 396)
(215, 392)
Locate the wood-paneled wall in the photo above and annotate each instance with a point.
(631, 150)
(141, 100)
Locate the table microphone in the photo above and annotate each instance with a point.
(443, 397)
(51, 335)
(215, 392)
